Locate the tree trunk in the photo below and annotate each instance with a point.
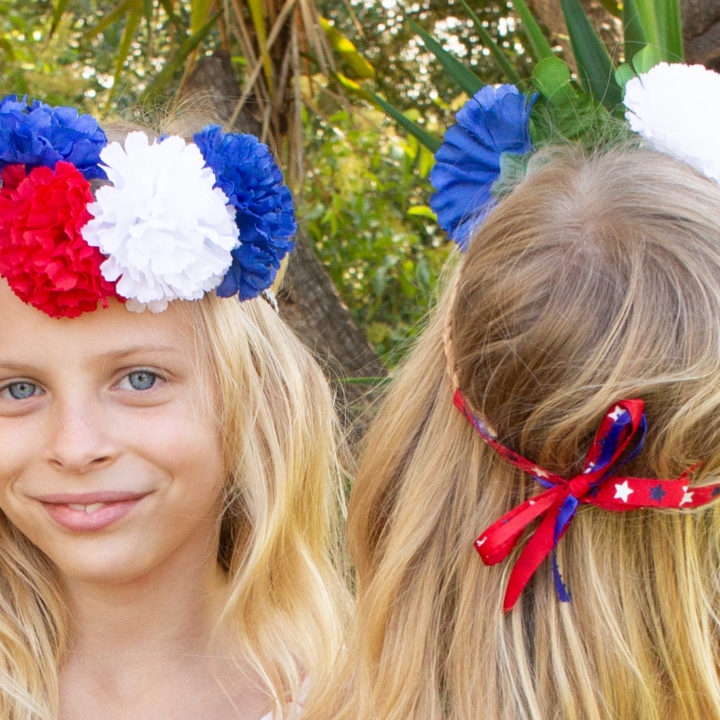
(701, 29)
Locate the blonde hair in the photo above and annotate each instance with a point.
(279, 528)
(597, 279)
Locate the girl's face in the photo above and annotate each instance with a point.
(110, 458)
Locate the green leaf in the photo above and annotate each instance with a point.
(633, 32)
(58, 12)
(257, 13)
(539, 47)
(198, 14)
(174, 17)
(107, 20)
(551, 76)
(647, 58)
(353, 87)
(131, 25)
(422, 211)
(464, 77)
(178, 60)
(347, 50)
(662, 25)
(511, 74)
(594, 65)
(623, 74)
(670, 29)
(431, 142)
(6, 47)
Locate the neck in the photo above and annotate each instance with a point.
(171, 610)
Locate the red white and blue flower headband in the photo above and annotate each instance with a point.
(675, 108)
(174, 221)
(494, 122)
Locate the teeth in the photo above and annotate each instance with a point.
(86, 508)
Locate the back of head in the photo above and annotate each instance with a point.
(596, 280)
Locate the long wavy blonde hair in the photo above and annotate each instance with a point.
(597, 279)
(279, 529)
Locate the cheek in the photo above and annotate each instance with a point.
(184, 443)
(20, 448)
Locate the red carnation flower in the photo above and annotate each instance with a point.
(43, 256)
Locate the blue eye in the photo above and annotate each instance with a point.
(22, 390)
(142, 379)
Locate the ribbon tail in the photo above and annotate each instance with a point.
(535, 551)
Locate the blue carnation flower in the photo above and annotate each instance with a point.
(247, 173)
(39, 134)
(494, 121)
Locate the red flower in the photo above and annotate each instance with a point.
(43, 256)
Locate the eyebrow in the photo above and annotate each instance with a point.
(114, 355)
(134, 349)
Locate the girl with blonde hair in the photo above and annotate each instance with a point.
(559, 420)
(169, 485)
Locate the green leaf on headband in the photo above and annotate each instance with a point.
(647, 58)
(464, 77)
(503, 61)
(551, 77)
(623, 74)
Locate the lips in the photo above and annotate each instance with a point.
(88, 512)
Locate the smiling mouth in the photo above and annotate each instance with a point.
(97, 513)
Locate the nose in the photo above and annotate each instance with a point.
(79, 440)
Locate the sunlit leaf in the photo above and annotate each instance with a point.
(257, 13)
(422, 211)
(347, 50)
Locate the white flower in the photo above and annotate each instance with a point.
(676, 108)
(166, 230)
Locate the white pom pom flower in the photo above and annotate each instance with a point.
(167, 231)
(676, 108)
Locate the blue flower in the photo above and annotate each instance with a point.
(39, 134)
(493, 122)
(247, 173)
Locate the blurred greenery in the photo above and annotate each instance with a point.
(365, 207)
(366, 194)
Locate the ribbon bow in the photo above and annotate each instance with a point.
(619, 439)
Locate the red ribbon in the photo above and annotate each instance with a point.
(618, 440)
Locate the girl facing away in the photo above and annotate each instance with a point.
(515, 428)
(168, 478)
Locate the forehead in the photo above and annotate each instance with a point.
(107, 330)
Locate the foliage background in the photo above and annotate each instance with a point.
(365, 195)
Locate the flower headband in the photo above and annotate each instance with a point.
(673, 107)
(662, 106)
(175, 220)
